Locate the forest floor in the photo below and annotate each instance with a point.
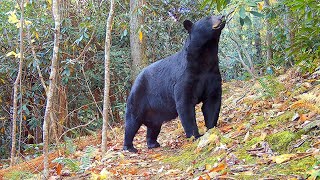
(268, 129)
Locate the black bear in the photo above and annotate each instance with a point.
(174, 85)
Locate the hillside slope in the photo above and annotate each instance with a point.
(268, 128)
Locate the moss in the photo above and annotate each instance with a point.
(225, 140)
(18, 175)
(188, 157)
(271, 87)
(245, 176)
(201, 162)
(297, 167)
(304, 147)
(273, 122)
(242, 153)
(185, 158)
(280, 141)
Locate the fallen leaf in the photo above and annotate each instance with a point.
(263, 135)
(58, 169)
(104, 174)
(303, 118)
(226, 128)
(207, 177)
(247, 173)
(282, 158)
(208, 167)
(205, 140)
(295, 117)
(133, 171)
(220, 167)
(246, 137)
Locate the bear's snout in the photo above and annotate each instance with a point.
(217, 21)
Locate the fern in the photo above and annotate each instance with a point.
(87, 157)
(73, 165)
(70, 146)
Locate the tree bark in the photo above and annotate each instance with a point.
(289, 35)
(106, 99)
(52, 80)
(136, 45)
(268, 37)
(15, 90)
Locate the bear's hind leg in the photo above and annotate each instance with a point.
(131, 129)
(152, 135)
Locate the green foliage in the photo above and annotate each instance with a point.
(87, 157)
(306, 21)
(72, 164)
(70, 146)
(76, 165)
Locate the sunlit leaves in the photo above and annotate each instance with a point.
(140, 36)
(260, 5)
(12, 17)
(12, 53)
(243, 8)
(49, 1)
(220, 4)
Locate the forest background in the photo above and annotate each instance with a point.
(261, 41)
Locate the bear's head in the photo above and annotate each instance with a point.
(206, 29)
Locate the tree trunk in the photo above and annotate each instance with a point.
(268, 37)
(289, 36)
(15, 90)
(52, 80)
(136, 44)
(106, 98)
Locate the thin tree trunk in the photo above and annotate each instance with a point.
(106, 99)
(52, 79)
(37, 60)
(136, 45)
(289, 35)
(15, 90)
(268, 37)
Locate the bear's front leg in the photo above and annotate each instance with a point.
(187, 115)
(211, 109)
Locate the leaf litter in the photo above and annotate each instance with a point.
(258, 137)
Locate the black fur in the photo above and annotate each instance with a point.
(174, 85)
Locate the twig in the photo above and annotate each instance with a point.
(85, 49)
(82, 125)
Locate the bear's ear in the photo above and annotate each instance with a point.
(188, 25)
